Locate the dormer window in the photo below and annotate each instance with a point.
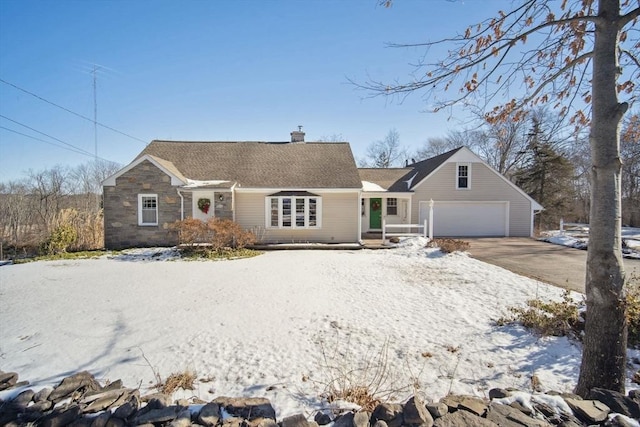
(463, 176)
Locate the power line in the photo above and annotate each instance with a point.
(42, 133)
(45, 141)
(72, 147)
(72, 112)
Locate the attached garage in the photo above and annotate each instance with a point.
(468, 219)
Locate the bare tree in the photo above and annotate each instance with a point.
(630, 154)
(580, 156)
(503, 144)
(85, 182)
(584, 52)
(16, 213)
(436, 146)
(387, 152)
(334, 137)
(48, 188)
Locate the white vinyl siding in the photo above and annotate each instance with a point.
(336, 215)
(487, 186)
(147, 209)
(293, 212)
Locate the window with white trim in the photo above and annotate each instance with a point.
(293, 212)
(147, 209)
(392, 206)
(463, 175)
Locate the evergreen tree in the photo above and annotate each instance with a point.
(548, 177)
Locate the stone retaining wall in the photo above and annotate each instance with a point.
(79, 400)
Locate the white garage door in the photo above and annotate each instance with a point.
(467, 219)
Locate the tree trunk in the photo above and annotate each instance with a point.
(604, 353)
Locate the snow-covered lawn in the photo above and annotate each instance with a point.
(270, 325)
(579, 238)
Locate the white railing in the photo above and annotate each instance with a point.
(421, 227)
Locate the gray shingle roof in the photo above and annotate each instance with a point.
(425, 167)
(262, 164)
(395, 179)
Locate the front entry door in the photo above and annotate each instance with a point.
(375, 214)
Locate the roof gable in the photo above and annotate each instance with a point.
(165, 166)
(465, 155)
(426, 167)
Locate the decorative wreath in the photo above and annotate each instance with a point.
(204, 204)
(375, 205)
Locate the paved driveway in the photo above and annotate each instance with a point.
(554, 264)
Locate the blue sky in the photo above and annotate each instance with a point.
(212, 70)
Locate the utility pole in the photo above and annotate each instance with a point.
(95, 111)
(95, 127)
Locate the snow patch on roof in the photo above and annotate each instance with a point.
(371, 186)
(410, 180)
(193, 183)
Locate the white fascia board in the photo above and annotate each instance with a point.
(386, 194)
(310, 190)
(111, 181)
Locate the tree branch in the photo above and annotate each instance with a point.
(555, 75)
(631, 56)
(625, 19)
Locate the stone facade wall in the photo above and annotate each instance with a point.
(121, 229)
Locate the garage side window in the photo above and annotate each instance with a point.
(463, 176)
(147, 209)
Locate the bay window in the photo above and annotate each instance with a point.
(293, 210)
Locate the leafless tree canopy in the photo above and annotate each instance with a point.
(541, 49)
(386, 153)
(31, 208)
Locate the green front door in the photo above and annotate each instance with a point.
(375, 214)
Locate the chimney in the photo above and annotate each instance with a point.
(297, 135)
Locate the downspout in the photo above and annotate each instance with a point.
(181, 204)
(233, 201)
(360, 217)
